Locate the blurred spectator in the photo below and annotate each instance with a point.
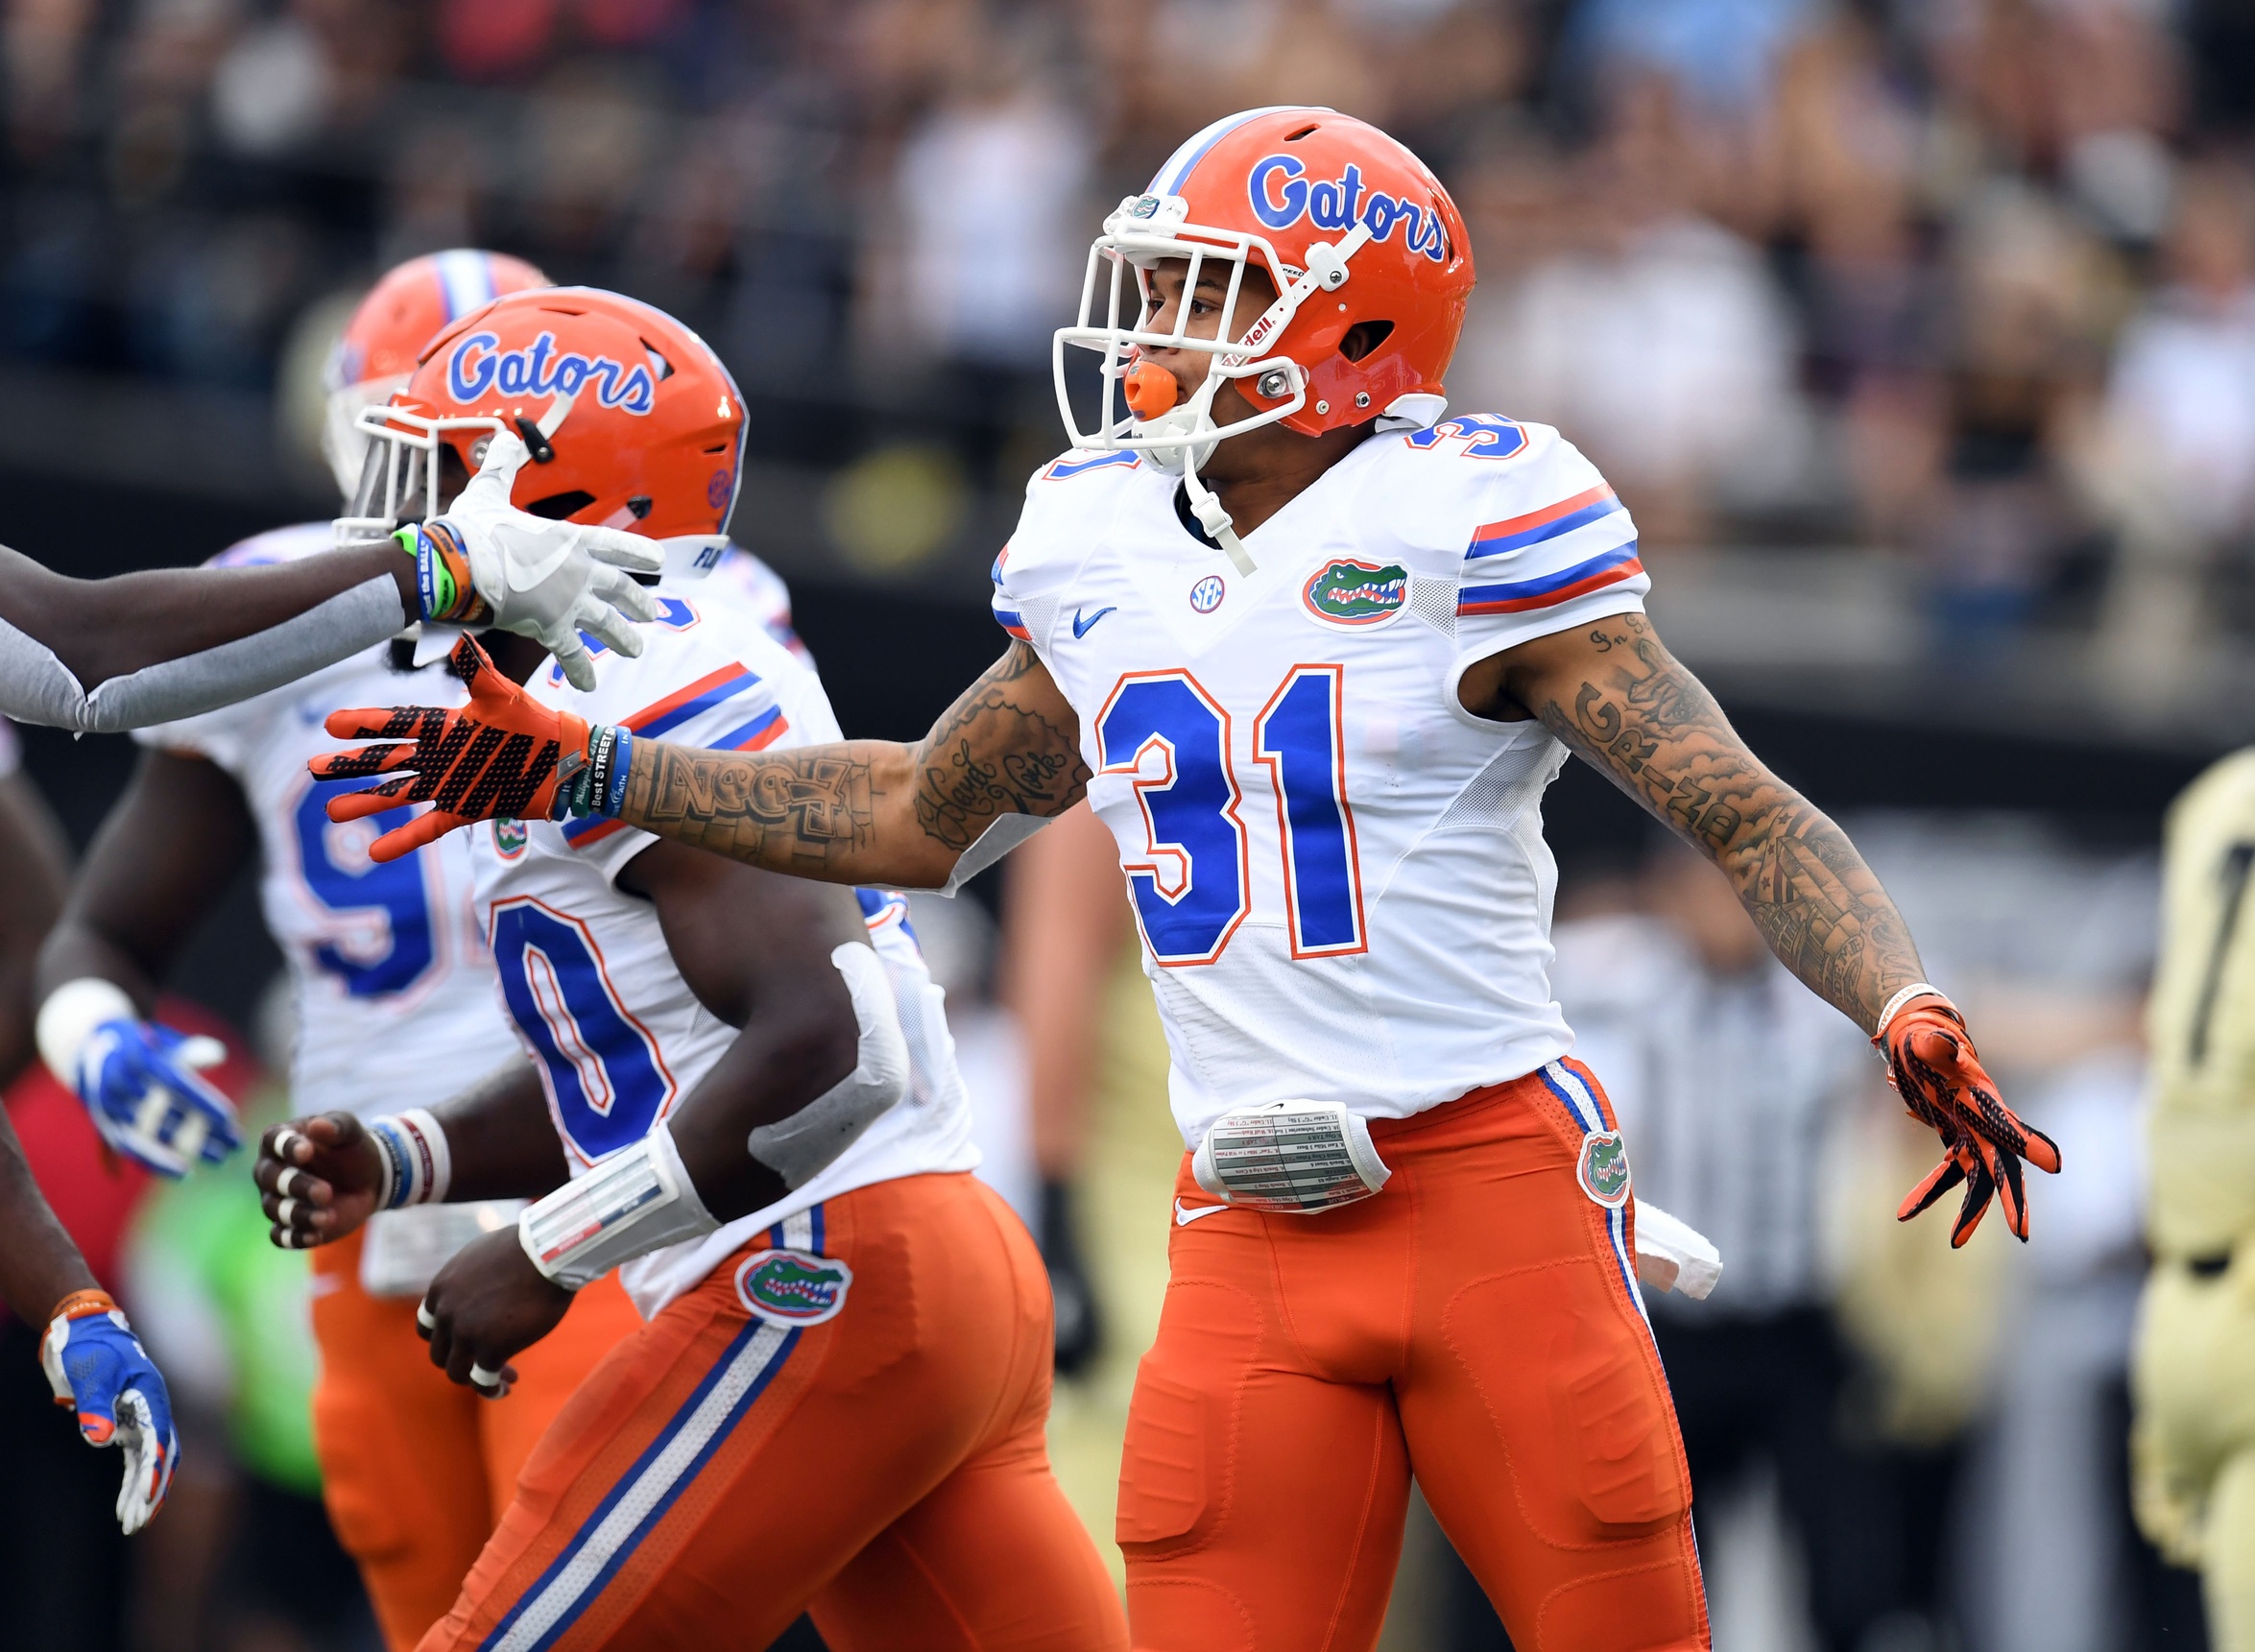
(2174, 457)
(1653, 337)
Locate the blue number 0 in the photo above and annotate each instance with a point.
(385, 902)
(1189, 884)
(609, 1081)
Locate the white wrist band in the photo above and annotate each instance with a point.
(417, 1165)
(801, 1148)
(1916, 990)
(638, 1200)
(68, 1018)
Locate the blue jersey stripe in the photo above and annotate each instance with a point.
(1497, 545)
(1516, 590)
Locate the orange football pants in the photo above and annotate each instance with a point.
(1474, 1324)
(879, 1459)
(417, 1469)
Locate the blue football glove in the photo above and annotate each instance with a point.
(142, 1082)
(97, 1367)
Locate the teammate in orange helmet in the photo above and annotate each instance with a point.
(838, 1403)
(151, 643)
(1313, 648)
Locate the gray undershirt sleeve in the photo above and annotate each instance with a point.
(36, 688)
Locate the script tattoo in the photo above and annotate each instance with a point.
(1652, 726)
(993, 753)
(1006, 747)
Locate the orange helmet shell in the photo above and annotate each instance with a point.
(652, 439)
(1295, 176)
(385, 336)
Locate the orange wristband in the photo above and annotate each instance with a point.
(80, 1304)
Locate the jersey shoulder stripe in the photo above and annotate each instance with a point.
(1516, 596)
(1517, 533)
(692, 699)
(1079, 462)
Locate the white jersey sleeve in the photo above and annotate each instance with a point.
(708, 695)
(1541, 542)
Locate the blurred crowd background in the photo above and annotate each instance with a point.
(1918, 334)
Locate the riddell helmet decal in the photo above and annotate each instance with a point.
(1349, 592)
(478, 364)
(793, 1287)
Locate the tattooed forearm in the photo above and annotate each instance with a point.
(867, 810)
(1620, 699)
(999, 749)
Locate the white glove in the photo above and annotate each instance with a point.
(546, 580)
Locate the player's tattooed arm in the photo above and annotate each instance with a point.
(1620, 700)
(868, 811)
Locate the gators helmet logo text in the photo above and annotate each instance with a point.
(479, 364)
(1349, 593)
(793, 1287)
(1602, 1168)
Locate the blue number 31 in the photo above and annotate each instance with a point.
(1191, 881)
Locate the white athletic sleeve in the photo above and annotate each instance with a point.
(36, 688)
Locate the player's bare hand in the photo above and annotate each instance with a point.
(317, 1179)
(486, 1306)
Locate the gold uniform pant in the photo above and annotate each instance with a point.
(2194, 1442)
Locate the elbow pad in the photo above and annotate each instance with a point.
(38, 687)
(801, 1148)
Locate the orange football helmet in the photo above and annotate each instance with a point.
(631, 421)
(380, 344)
(1350, 228)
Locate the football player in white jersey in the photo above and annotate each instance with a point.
(839, 1400)
(415, 1472)
(1313, 651)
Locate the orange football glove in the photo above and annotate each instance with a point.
(1932, 1063)
(499, 756)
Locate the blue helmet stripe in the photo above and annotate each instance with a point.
(1176, 173)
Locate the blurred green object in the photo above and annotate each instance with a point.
(892, 509)
(228, 1316)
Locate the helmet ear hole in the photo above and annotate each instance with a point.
(1363, 337)
(556, 507)
(1296, 136)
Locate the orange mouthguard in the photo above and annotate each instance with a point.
(1150, 390)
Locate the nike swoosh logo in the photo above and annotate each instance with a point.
(1186, 1215)
(1082, 626)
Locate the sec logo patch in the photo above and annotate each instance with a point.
(1206, 595)
(1602, 1168)
(793, 1287)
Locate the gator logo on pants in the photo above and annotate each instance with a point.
(1603, 1168)
(792, 1287)
(1349, 593)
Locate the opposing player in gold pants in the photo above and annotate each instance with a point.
(2194, 1379)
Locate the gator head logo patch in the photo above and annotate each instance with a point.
(509, 838)
(792, 1287)
(1348, 592)
(1603, 1168)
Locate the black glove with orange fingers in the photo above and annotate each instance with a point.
(504, 754)
(1933, 1065)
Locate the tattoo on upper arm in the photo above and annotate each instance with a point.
(1653, 727)
(995, 753)
(1003, 748)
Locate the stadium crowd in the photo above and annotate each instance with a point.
(1967, 284)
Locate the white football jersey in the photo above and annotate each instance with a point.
(585, 969)
(1339, 873)
(383, 958)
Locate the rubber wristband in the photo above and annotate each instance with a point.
(1894, 1005)
(418, 1166)
(82, 1305)
(611, 798)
